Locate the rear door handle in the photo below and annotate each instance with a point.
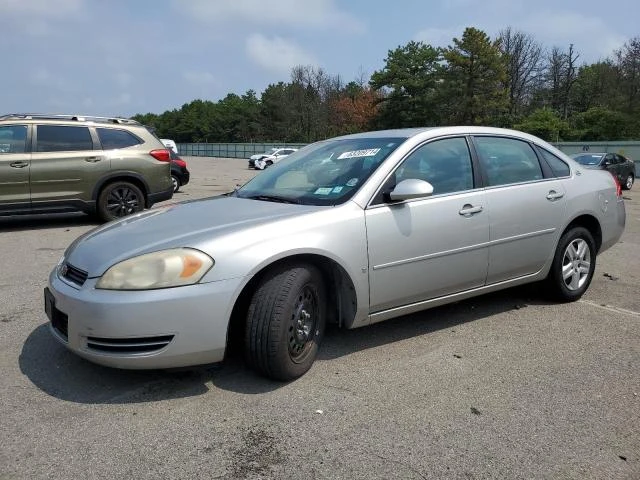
(553, 195)
(92, 159)
(19, 164)
(468, 210)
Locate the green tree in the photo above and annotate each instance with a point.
(474, 80)
(544, 123)
(408, 84)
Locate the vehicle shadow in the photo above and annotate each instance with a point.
(39, 222)
(66, 376)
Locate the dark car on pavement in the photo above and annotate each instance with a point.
(179, 172)
(620, 167)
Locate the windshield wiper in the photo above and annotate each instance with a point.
(273, 198)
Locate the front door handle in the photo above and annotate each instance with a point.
(19, 164)
(468, 210)
(92, 159)
(553, 195)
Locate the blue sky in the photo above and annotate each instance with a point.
(121, 57)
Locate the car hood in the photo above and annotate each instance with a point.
(258, 156)
(185, 224)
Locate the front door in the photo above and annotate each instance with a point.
(427, 248)
(15, 163)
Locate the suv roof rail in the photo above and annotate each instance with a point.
(77, 118)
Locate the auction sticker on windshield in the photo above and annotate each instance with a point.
(370, 152)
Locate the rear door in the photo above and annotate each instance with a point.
(526, 207)
(65, 166)
(15, 162)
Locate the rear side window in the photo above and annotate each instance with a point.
(112, 139)
(559, 168)
(13, 138)
(57, 138)
(507, 160)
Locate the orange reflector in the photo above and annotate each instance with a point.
(190, 265)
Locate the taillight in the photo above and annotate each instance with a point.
(161, 154)
(618, 186)
(180, 162)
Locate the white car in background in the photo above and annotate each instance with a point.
(169, 144)
(260, 161)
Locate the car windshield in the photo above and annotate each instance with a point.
(588, 159)
(324, 173)
(271, 151)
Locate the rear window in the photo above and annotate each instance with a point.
(112, 138)
(59, 138)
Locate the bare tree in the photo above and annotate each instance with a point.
(524, 64)
(628, 63)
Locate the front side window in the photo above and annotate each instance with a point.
(445, 164)
(13, 139)
(57, 138)
(112, 138)
(507, 160)
(324, 173)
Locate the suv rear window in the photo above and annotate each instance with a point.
(57, 138)
(111, 138)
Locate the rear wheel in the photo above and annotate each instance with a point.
(119, 199)
(176, 183)
(285, 322)
(628, 183)
(573, 265)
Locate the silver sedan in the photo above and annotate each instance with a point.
(352, 230)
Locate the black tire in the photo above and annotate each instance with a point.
(628, 182)
(119, 199)
(285, 322)
(573, 265)
(176, 183)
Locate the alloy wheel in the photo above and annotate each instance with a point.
(576, 264)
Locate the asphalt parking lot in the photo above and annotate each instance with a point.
(501, 386)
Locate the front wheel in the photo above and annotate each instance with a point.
(573, 265)
(119, 199)
(628, 183)
(285, 322)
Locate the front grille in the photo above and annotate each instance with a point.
(129, 345)
(74, 274)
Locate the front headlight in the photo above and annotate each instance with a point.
(167, 268)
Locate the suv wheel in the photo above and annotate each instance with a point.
(176, 183)
(119, 199)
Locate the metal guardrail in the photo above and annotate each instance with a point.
(230, 150)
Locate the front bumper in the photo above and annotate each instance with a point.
(165, 328)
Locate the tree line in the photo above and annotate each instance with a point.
(509, 81)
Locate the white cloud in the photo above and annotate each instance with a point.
(273, 14)
(439, 37)
(199, 78)
(277, 54)
(122, 79)
(587, 33)
(122, 99)
(46, 8)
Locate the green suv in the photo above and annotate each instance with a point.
(63, 163)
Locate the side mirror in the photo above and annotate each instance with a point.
(410, 189)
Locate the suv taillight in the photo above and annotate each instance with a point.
(161, 154)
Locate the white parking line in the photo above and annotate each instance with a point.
(611, 308)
